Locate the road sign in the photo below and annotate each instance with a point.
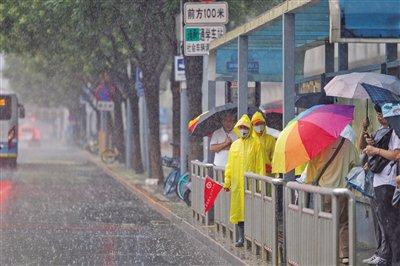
(103, 92)
(206, 13)
(139, 83)
(105, 105)
(179, 68)
(198, 38)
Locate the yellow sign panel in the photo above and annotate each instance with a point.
(2, 101)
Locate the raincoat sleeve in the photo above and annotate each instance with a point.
(260, 166)
(228, 171)
(269, 153)
(271, 145)
(258, 157)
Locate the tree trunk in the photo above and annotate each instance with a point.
(194, 76)
(136, 149)
(151, 82)
(118, 129)
(176, 116)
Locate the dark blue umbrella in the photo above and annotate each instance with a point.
(389, 102)
(380, 95)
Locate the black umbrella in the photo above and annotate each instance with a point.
(274, 120)
(308, 100)
(380, 95)
(389, 102)
(208, 122)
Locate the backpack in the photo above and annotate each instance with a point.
(377, 163)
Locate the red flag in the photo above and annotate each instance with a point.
(211, 190)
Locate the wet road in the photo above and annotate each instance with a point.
(59, 209)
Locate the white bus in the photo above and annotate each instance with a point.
(10, 111)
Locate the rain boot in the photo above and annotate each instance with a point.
(240, 242)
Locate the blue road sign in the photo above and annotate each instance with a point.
(138, 83)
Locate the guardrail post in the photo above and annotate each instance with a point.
(335, 218)
(263, 222)
(253, 184)
(274, 195)
(352, 230)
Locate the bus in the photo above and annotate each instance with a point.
(10, 111)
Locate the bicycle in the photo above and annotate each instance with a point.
(93, 146)
(175, 181)
(108, 156)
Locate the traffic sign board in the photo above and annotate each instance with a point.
(179, 68)
(105, 105)
(206, 13)
(198, 38)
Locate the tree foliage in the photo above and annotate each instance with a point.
(59, 46)
(88, 37)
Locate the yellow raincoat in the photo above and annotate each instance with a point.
(242, 158)
(266, 141)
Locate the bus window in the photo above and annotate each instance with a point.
(5, 107)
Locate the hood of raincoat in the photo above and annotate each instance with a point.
(256, 118)
(243, 121)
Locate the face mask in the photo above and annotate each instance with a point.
(243, 132)
(259, 129)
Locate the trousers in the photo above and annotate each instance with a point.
(387, 225)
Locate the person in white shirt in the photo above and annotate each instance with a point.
(388, 233)
(222, 139)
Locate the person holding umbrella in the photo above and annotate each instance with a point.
(383, 149)
(320, 136)
(222, 139)
(266, 141)
(242, 158)
(329, 169)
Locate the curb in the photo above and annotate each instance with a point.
(168, 214)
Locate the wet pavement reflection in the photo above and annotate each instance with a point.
(57, 208)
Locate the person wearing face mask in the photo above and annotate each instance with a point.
(266, 141)
(242, 158)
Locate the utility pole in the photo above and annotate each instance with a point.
(128, 134)
(184, 104)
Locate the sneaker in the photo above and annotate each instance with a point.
(239, 243)
(344, 260)
(377, 261)
(367, 261)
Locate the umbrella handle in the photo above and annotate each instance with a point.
(366, 117)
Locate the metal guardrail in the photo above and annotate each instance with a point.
(199, 171)
(222, 207)
(311, 231)
(261, 215)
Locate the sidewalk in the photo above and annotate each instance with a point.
(176, 210)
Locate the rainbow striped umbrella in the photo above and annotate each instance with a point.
(308, 134)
